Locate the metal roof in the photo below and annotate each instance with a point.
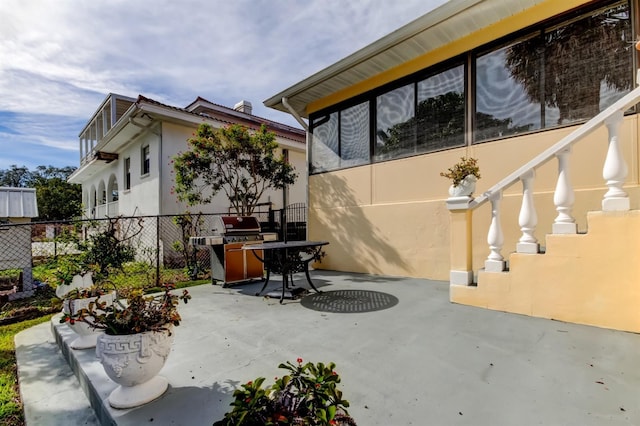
(18, 202)
(451, 21)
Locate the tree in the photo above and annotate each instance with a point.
(241, 164)
(58, 199)
(15, 177)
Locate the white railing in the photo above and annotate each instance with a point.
(112, 209)
(614, 173)
(102, 211)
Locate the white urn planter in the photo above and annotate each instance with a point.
(87, 335)
(77, 282)
(464, 188)
(133, 362)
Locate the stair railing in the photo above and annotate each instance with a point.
(616, 199)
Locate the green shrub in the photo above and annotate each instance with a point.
(306, 396)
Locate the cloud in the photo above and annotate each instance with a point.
(64, 57)
(38, 139)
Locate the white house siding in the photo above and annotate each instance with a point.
(174, 141)
(143, 197)
(298, 191)
(174, 138)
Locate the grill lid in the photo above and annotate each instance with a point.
(226, 225)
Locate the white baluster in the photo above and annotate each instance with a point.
(564, 197)
(495, 262)
(615, 168)
(528, 218)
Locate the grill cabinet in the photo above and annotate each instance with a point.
(230, 264)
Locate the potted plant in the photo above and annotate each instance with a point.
(77, 300)
(306, 396)
(71, 273)
(136, 340)
(464, 175)
(74, 279)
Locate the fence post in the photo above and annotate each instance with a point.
(271, 219)
(55, 240)
(158, 251)
(283, 224)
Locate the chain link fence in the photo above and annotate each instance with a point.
(159, 241)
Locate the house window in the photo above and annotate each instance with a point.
(440, 111)
(587, 64)
(145, 160)
(325, 153)
(348, 147)
(504, 77)
(395, 123)
(354, 135)
(563, 74)
(127, 173)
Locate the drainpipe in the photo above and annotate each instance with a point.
(295, 115)
(305, 126)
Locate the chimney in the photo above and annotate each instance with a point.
(243, 106)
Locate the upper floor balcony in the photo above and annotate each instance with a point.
(103, 120)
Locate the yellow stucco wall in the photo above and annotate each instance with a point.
(391, 218)
(591, 278)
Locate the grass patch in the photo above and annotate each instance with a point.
(11, 413)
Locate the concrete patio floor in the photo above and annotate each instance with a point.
(406, 355)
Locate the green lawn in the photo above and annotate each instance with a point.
(11, 413)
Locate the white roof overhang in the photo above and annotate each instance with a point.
(452, 21)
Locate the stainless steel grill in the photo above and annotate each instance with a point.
(230, 264)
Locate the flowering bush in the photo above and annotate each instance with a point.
(465, 167)
(138, 314)
(306, 396)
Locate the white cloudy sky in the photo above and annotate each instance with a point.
(59, 59)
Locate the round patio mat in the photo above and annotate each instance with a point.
(349, 301)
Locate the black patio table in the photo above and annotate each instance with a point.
(287, 257)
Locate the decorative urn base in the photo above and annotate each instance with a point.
(133, 361)
(133, 396)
